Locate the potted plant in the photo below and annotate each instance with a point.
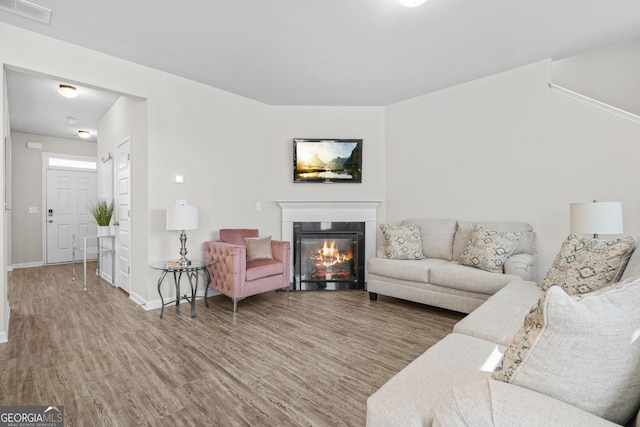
(102, 212)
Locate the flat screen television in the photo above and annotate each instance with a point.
(327, 160)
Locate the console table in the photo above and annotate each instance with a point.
(80, 244)
(192, 271)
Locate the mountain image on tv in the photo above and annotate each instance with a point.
(340, 166)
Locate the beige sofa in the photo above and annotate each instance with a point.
(452, 383)
(439, 279)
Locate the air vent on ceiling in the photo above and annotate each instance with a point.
(27, 10)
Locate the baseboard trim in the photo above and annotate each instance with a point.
(4, 335)
(156, 304)
(140, 302)
(27, 265)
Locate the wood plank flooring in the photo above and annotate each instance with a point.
(311, 359)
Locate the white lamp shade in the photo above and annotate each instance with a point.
(183, 218)
(596, 217)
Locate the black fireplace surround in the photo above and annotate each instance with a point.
(328, 255)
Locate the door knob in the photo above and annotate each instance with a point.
(116, 223)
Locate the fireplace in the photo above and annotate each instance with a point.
(328, 255)
(334, 211)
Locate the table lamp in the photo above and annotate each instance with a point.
(596, 218)
(183, 218)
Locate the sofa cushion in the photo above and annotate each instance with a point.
(411, 396)
(236, 236)
(437, 236)
(258, 248)
(499, 319)
(584, 351)
(519, 292)
(489, 249)
(411, 270)
(402, 241)
(465, 229)
(494, 403)
(586, 264)
(263, 268)
(454, 275)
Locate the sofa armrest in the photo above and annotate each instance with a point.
(499, 404)
(228, 272)
(522, 265)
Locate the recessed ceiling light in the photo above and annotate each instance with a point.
(412, 3)
(71, 120)
(67, 91)
(84, 134)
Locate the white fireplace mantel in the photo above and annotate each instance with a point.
(331, 211)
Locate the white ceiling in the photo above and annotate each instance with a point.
(35, 106)
(337, 52)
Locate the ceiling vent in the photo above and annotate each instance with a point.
(27, 10)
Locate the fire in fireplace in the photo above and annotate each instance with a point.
(330, 263)
(328, 255)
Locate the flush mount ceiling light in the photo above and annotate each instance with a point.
(67, 91)
(84, 134)
(412, 3)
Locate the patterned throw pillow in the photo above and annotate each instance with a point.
(402, 241)
(586, 264)
(488, 249)
(582, 350)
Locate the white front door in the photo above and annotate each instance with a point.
(123, 215)
(67, 210)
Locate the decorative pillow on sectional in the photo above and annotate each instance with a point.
(402, 241)
(586, 264)
(488, 249)
(258, 248)
(582, 350)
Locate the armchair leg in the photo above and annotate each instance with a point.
(235, 305)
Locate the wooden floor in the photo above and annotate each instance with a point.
(311, 359)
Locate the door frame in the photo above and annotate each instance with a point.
(46, 157)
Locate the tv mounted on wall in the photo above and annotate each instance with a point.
(327, 160)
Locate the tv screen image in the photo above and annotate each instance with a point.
(327, 160)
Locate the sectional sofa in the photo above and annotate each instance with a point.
(562, 352)
(436, 274)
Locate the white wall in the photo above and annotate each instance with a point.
(508, 148)
(127, 118)
(609, 75)
(232, 151)
(27, 191)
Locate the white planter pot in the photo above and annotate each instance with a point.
(104, 230)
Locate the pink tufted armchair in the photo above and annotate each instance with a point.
(238, 277)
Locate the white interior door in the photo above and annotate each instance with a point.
(69, 194)
(123, 218)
